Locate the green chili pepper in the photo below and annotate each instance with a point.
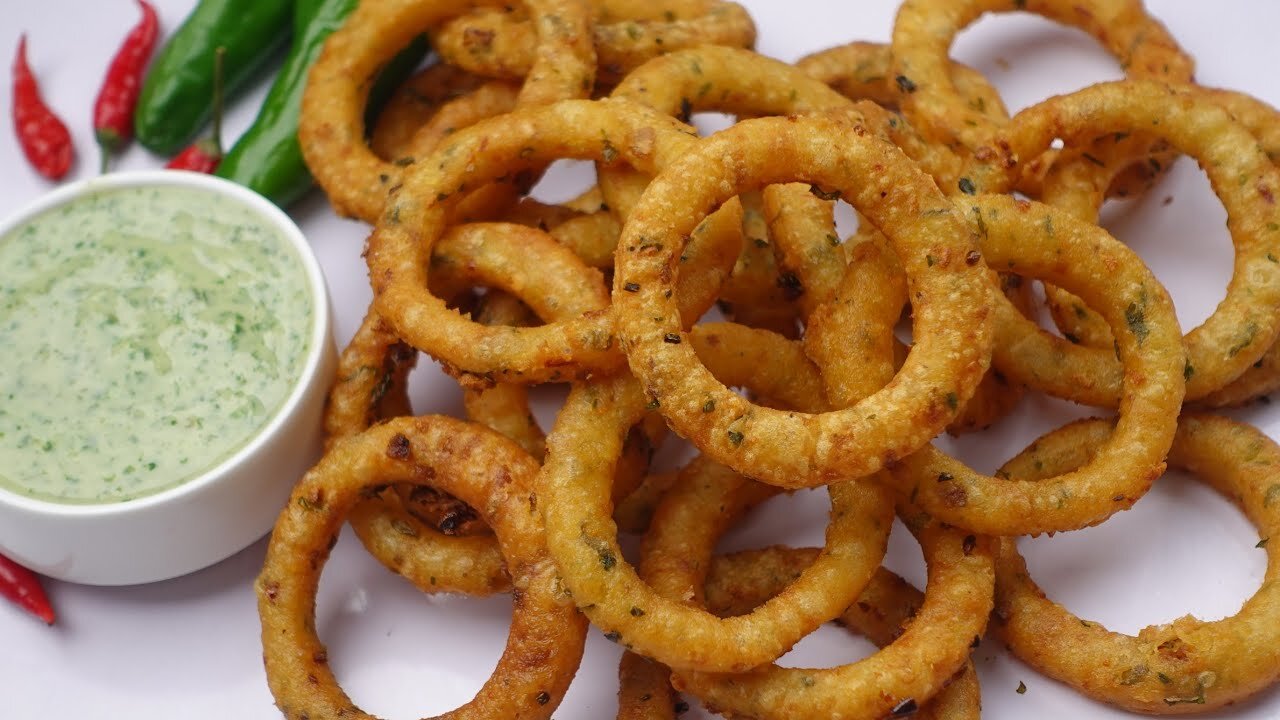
(174, 105)
(268, 158)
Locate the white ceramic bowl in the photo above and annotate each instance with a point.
(219, 512)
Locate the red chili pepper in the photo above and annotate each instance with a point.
(44, 138)
(203, 155)
(23, 587)
(113, 110)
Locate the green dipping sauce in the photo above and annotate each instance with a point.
(146, 335)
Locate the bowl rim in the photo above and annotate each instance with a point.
(321, 323)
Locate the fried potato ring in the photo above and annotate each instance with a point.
(699, 483)
(473, 254)
(413, 538)
(413, 547)
(677, 553)
(592, 237)
(491, 474)
(744, 83)
(1189, 665)
(740, 82)
(584, 225)
(1246, 323)
(485, 101)
(995, 397)
(740, 356)
(414, 103)
(755, 293)
(498, 42)
(1034, 240)
(505, 406)
(399, 247)
(717, 78)
(861, 71)
(573, 495)
(1077, 186)
(1261, 379)
(492, 255)
(761, 360)
(809, 247)
(371, 381)
(850, 335)
(924, 30)
(911, 668)
(331, 129)
(397, 532)
(740, 581)
(945, 274)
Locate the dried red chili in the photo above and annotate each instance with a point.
(203, 155)
(113, 110)
(43, 137)
(23, 587)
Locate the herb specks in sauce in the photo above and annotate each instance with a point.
(148, 333)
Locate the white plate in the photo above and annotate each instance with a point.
(189, 648)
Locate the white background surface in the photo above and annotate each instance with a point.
(188, 648)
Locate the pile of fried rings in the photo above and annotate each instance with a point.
(605, 293)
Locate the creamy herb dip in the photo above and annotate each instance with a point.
(146, 334)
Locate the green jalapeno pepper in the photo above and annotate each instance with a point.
(175, 101)
(267, 158)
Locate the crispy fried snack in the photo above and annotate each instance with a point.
(1189, 665)
(1076, 186)
(1031, 239)
(861, 71)
(950, 291)
(1246, 323)
(479, 466)
(676, 556)
(418, 215)
(911, 668)
(883, 612)
(807, 387)
(499, 42)
(420, 100)
(921, 70)
(573, 495)
(331, 130)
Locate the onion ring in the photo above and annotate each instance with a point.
(915, 666)
(924, 30)
(331, 129)
(1185, 666)
(861, 71)
(1032, 240)
(398, 249)
(1075, 320)
(477, 465)
(738, 582)
(945, 273)
(414, 103)
(1246, 323)
(573, 495)
(499, 43)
